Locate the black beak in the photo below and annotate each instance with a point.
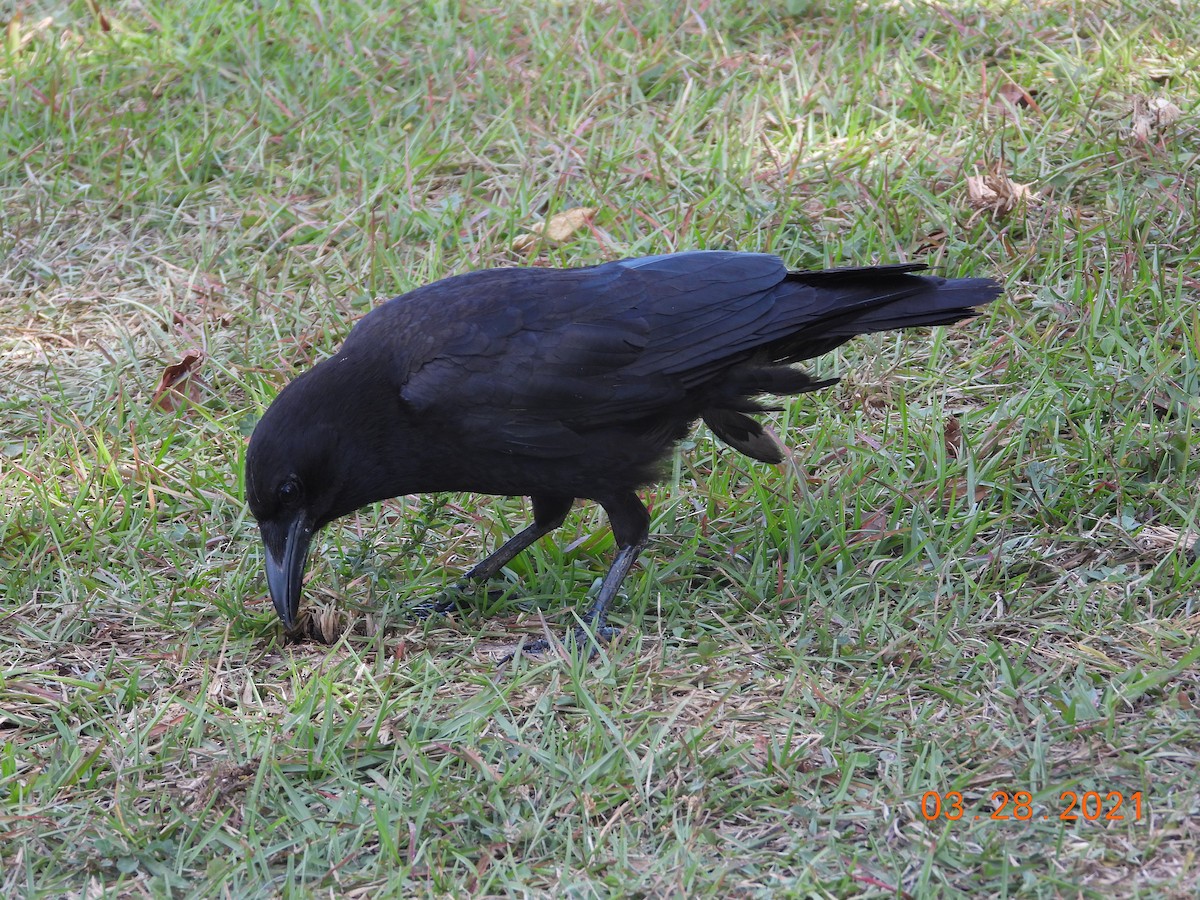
(286, 553)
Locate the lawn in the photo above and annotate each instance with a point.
(951, 647)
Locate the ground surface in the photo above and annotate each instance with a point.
(974, 575)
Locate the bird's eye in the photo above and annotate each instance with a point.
(288, 491)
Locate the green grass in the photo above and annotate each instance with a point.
(976, 574)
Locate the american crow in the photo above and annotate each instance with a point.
(559, 384)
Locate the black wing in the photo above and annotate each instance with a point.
(537, 358)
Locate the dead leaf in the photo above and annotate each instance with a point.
(1014, 94)
(953, 437)
(958, 491)
(179, 384)
(1011, 97)
(1152, 115)
(998, 193)
(874, 527)
(557, 229)
(327, 625)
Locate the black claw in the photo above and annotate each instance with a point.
(452, 598)
(461, 595)
(578, 638)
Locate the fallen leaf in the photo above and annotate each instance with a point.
(1014, 94)
(1010, 97)
(558, 228)
(876, 522)
(327, 625)
(179, 384)
(1152, 115)
(953, 437)
(998, 193)
(958, 491)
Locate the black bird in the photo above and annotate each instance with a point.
(560, 384)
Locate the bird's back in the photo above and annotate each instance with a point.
(674, 313)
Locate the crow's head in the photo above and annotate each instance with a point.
(315, 455)
(292, 475)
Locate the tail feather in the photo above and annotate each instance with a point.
(887, 298)
(939, 302)
(837, 305)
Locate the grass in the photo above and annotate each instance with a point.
(976, 574)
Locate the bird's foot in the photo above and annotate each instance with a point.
(460, 595)
(453, 597)
(579, 640)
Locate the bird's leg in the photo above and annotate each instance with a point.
(549, 511)
(631, 529)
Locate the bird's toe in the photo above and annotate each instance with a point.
(459, 596)
(451, 598)
(580, 640)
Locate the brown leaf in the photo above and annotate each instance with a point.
(876, 522)
(558, 228)
(998, 193)
(1017, 97)
(958, 491)
(953, 437)
(327, 625)
(179, 384)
